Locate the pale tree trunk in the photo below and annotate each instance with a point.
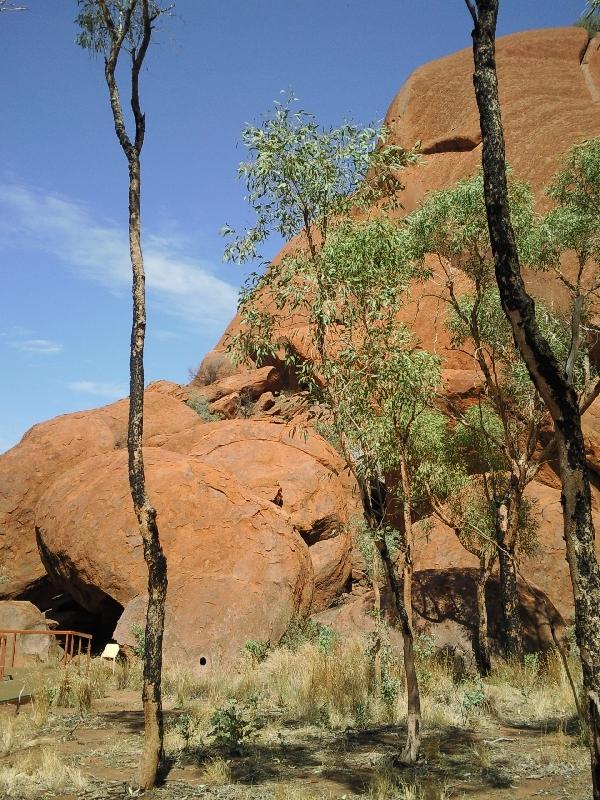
(410, 753)
(146, 515)
(413, 741)
(549, 377)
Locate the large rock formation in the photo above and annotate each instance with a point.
(255, 512)
(49, 449)
(237, 567)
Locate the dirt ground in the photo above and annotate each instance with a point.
(286, 762)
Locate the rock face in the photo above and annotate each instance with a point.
(547, 570)
(51, 448)
(302, 474)
(237, 568)
(254, 513)
(445, 607)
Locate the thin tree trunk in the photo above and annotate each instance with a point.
(377, 611)
(146, 515)
(507, 529)
(484, 662)
(512, 625)
(550, 379)
(410, 753)
(407, 568)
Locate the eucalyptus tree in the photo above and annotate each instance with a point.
(507, 425)
(547, 373)
(328, 311)
(571, 238)
(109, 27)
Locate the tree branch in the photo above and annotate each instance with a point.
(472, 11)
(110, 65)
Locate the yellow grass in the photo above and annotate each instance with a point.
(36, 772)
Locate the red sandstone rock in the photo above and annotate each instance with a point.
(299, 471)
(52, 447)
(227, 407)
(237, 567)
(437, 106)
(251, 382)
(445, 606)
(590, 424)
(547, 570)
(214, 367)
(265, 402)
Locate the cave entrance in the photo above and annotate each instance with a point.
(70, 615)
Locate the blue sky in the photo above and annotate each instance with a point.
(65, 306)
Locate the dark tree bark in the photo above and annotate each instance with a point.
(507, 531)
(482, 649)
(549, 377)
(146, 514)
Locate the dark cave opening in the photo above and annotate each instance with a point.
(63, 609)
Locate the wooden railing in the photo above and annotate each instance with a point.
(73, 647)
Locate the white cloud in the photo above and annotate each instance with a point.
(164, 336)
(66, 229)
(111, 391)
(43, 347)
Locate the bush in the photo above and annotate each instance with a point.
(233, 725)
(303, 630)
(139, 634)
(200, 404)
(257, 650)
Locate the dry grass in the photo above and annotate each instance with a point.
(291, 791)
(36, 772)
(385, 785)
(217, 772)
(335, 688)
(304, 684)
(535, 694)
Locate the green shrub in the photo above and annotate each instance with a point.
(139, 634)
(257, 650)
(302, 630)
(233, 725)
(185, 725)
(200, 404)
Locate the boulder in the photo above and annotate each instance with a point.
(265, 403)
(49, 449)
(543, 117)
(24, 616)
(299, 471)
(252, 383)
(227, 407)
(237, 567)
(215, 366)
